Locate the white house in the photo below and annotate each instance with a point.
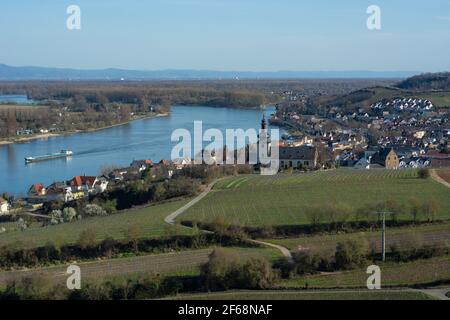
(4, 206)
(180, 163)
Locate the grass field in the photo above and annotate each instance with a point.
(177, 263)
(314, 295)
(149, 221)
(392, 274)
(439, 99)
(401, 237)
(256, 200)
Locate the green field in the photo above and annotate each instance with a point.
(311, 295)
(401, 237)
(282, 199)
(149, 221)
(392, 274)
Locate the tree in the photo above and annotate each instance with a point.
(414, 209)
(226, 270)
(69, 214)
(87, 238)
(56, 217)
(133, 234)
(430, 208)
(314, 215)
(351, 253)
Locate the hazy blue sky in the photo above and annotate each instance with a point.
(253, 35)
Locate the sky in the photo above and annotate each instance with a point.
(229, 35)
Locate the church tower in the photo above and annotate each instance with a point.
(263, 122)
(264, 134)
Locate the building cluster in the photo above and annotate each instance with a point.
(27, 132)
(397, 133)
(83, 187)
(404, 104)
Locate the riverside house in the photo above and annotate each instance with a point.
(4, 206)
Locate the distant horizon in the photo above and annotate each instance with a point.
(29, 72)
(211, 69)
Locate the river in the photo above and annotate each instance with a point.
(141, 139)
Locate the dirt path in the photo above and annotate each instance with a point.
(434, 175)
(170, 219)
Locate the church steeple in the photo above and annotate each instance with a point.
(263, 122)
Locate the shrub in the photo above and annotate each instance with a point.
(94, 210)
(56, 217)
(423, 173)
(87, 238)
(350, 254)
(69, 214)
(225, 270)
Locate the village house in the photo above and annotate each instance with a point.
(298, 157)
(36, 190)
(180, 163)
(118, 174)
(378, 159)
(141, 165)
(387, 158)
(88, 184)
(59, 191)
(4, 206)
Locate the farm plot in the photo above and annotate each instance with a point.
(420, 272)
(185, 261)
(177, 263)
(401, 237)
(149, 222)
(282, 199)
(444, 174)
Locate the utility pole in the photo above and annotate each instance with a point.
(383, 235)
(383, 239)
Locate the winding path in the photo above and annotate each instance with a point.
(170, 219)
(434, 175)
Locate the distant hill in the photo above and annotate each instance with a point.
(427, 81)
(43, 73)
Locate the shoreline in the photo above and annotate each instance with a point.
(51, 135)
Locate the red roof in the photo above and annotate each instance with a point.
(79, 181)
(38, 187)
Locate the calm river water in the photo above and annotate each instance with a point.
(142, 139)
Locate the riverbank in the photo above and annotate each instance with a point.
(67, 133)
